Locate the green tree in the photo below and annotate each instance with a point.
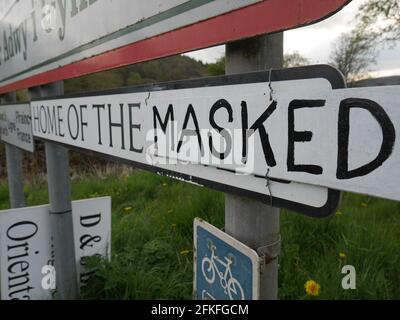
(353, 53)
(294, 59)
(377, 23)
(380, 19)
(217, 68)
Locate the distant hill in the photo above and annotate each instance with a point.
(383, 81)
(167, 69)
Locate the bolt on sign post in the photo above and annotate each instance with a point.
(57, 162)
(42, 42)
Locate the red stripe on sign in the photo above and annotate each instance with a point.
(265, 17)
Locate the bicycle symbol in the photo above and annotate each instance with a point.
(209, 267)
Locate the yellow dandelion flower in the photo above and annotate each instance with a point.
(173, 226)
(364, 205)
(312, 288)
(342, 255)
(184, 252)
(127, 209)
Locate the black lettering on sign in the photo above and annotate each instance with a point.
(98, 107)
(17, 251)
(117, 124)
(190, 113)
(388, 133)
(169, 117)
(74, 8)
(62, 7)
(34, 31)
(300, 136)
(20, 265)
(42, 113)
(86, 240)
(83, 123)
(18, 281)
(222, 103)
(21, 231)
(258, 125)
(51, 121)
(35, 115)
(74, 135)
(245, 131)
(90, 221)
(60, 121)
(133, 126)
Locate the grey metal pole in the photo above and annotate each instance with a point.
(252, 222)
(14, 168)
(57, 162)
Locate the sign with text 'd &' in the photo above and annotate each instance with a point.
(226, 133)
(16, 127)
(43, 41)
(27, 252)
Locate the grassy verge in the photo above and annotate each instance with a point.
(152, 240)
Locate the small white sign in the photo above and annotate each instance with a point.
(16, 126)
(27, 246)
(224, 268)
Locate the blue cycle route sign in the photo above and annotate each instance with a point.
(224, 268)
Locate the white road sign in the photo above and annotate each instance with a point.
(15, 126)
(43, 41)
(27, 251)
(296, 129)
(213, 132)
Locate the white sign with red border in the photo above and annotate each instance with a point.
(43, 41)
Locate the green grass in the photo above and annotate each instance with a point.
(152, 227)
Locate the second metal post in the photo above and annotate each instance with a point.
(57, 162)
(251, 222)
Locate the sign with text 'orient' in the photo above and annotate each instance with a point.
(27, 250)
(15, 126)
(223, 132)
(43, 41)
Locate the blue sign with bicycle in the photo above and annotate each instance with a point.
(225, 268)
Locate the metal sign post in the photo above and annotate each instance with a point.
(60, 205)
(14, 168)
(252, 222)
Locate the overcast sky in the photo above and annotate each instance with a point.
(316, 42)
